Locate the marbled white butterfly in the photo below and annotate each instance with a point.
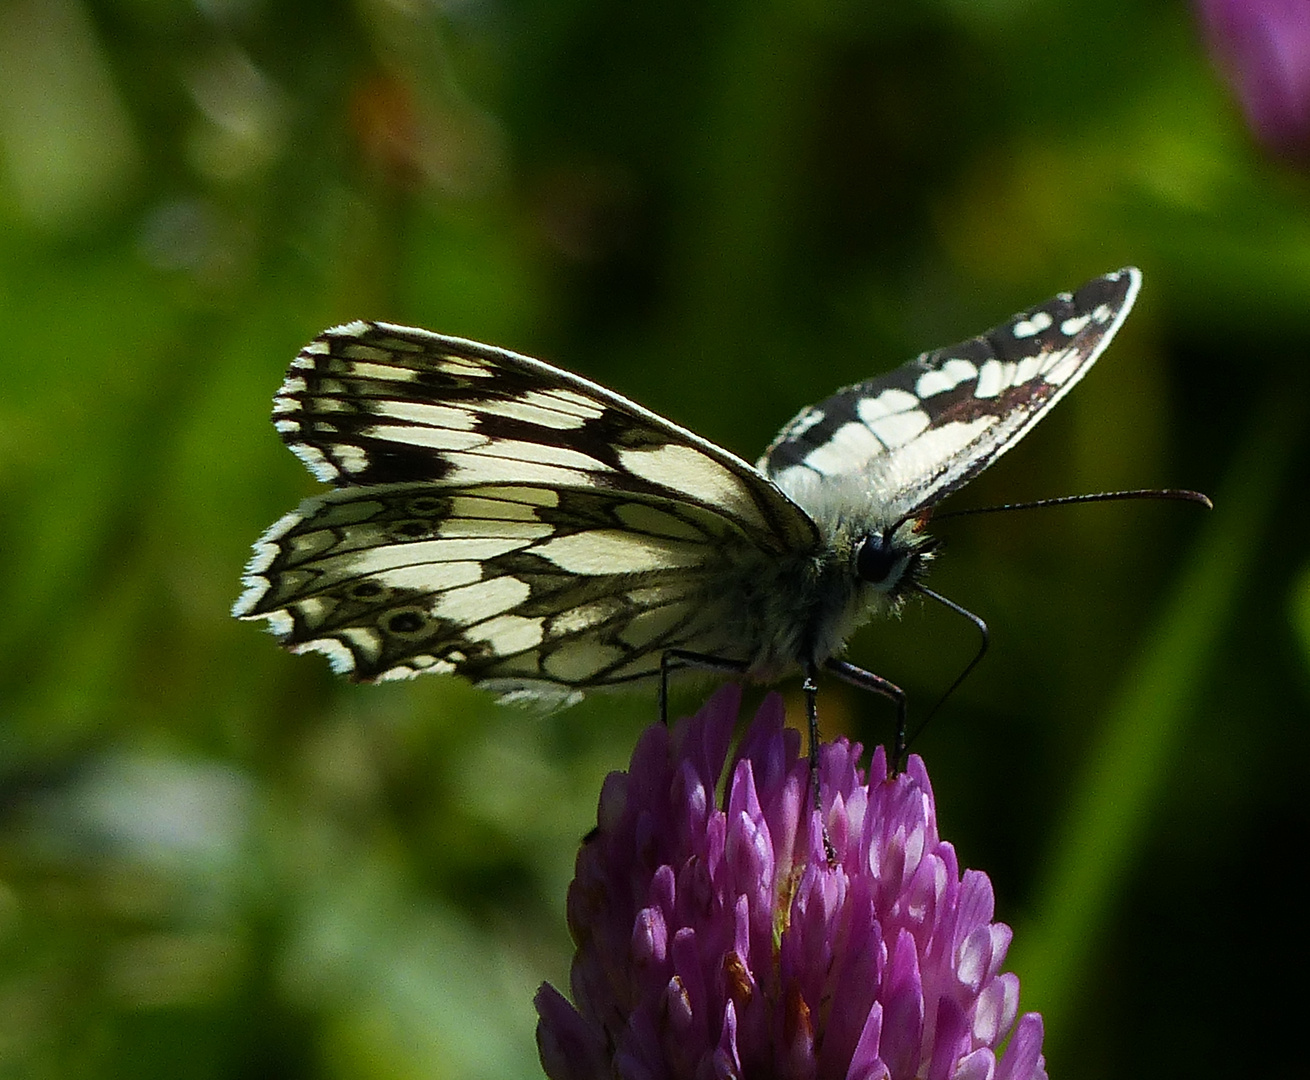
(500, 518)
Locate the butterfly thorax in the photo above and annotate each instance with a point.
(803, 608)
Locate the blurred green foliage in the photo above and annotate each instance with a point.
(218, 861)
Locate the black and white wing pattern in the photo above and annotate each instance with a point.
(501, 518)
(918, 433)
(497, 517)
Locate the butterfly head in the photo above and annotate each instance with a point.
(892, 560)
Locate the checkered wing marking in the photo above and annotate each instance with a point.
(920, 432)
(501, 518)
(527, 589)
(371, 403)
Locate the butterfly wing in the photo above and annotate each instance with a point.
(501, 518)
(918, 433)
(521, 588)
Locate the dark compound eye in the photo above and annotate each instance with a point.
(876, 559)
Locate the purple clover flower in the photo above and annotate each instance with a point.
(717, 943)
(1263, 47)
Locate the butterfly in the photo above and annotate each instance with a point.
(500, 518)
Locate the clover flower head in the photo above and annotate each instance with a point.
(715, 939)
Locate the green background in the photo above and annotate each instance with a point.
(216, 860)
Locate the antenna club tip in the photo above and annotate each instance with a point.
(1198, 497)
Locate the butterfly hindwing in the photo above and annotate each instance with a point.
(921, 431)
(516, 587)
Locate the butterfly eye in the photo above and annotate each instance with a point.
(877, 559)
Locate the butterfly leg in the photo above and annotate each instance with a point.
(683, 658)
(810, 687)
(867, 680)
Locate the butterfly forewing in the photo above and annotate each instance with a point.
(921, 431)
(371, 403)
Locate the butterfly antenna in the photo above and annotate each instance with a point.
(977, 657)
(1165, 494)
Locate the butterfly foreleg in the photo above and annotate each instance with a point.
(685, 658)
(867, 680)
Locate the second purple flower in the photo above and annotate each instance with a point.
(1263, 47)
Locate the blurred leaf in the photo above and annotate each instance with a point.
(1108, 814)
